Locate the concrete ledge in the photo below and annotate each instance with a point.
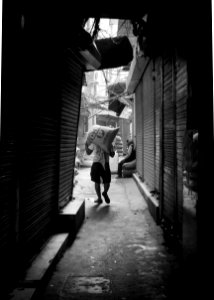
(38, 274)
(49, 254)
(152, 203)
(23, 293)
(41, 268)
(72, 216)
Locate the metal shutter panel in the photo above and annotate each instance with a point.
(38, 158)
(169, 186)
(158, 96)
(148, 126)
(70, 108)
(8, 196)
(181, 120)
(38, 186)
(139, 131)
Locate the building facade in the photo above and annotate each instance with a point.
(167, 90)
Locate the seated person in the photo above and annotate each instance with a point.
(130, 156)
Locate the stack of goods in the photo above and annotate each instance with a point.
(118, 143)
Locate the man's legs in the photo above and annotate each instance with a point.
(106, 182)
(95, 177)
(106, 187)
(105, 195)
(98, 192)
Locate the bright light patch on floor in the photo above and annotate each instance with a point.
(82, 284)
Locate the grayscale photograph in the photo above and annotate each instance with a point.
(106, 150)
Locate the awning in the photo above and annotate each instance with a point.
(103, 53)
(116, 106)
(116, 90)
(115, 52)
(87, 49)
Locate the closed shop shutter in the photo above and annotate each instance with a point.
(158, 96)
(181, 120)
(148, 126)
(169, 186)
(8, 150)
(11, 80)
(38, 186)
(8, 204)
(8, 197)
(139, 130)
(38, 147)
(70, 108)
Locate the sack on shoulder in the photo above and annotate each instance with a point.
(102, 136)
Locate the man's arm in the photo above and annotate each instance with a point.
(112, 152)
(88, 150)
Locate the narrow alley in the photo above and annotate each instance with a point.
(119, 252)
(144, 71)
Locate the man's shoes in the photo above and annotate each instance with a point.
(106, 197)
(98, 201)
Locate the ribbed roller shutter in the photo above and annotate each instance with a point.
(169, 186)
(8, 164)
(181, 120)
(158, 95)
(139, 130)
(148, 119)
(38, 187)
(38, 145)
(70, 107)
(8, 196)
(11, 79)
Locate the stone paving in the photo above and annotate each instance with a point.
(119, 252)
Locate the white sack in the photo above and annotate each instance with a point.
(102, 136)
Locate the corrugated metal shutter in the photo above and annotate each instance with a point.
(70, 108)
(38, 145)
(181, 120)
(11, 98)
(139, 130)
(149, 129)
(8, 200)
(158, 95)
(8, 157)
(38, 186)
(169, 186)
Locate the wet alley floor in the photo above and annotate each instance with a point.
(119, 252)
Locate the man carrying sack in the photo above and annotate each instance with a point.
(100, 140)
